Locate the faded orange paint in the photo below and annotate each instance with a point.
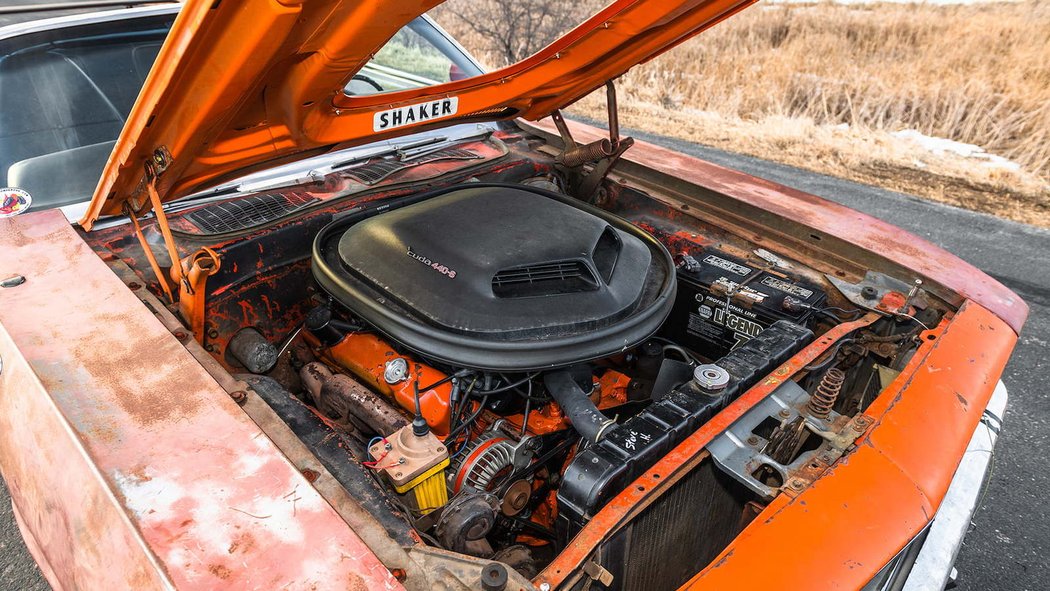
(131, 468)
(610, 391)
(850, 237)
(205, 102)
(365, 354)
(923, 422)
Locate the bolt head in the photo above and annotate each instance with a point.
(785, 413)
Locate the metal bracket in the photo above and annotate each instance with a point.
(597, 573)
(739, 451)
(883, 294)
(199, 266)
(152, 169)
(603, 153)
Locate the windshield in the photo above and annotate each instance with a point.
(66, 93)
(418, 55)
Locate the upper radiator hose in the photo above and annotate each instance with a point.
(588, 421)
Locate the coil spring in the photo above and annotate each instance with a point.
(591, 152)
(827, 393)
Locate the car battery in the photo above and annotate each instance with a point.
(724, 301)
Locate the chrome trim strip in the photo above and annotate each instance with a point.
(933, 566)
(90, 18)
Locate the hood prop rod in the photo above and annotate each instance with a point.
(190, 273)
(603, 153)
(149, 253)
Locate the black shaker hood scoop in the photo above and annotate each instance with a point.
(499, 277)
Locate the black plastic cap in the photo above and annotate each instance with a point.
(319, 322)
(494, 577)
(420, 426)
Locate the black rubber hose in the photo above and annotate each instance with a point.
(588, 421)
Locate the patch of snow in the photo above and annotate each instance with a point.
(941, 146)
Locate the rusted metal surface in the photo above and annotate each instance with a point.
(366, 355)
(117, 443)
(202, 264)
(830, 231)
(917, 431)
(277, 430)
(645, 489)
(71, 522)
(264, 278)
(339, 397)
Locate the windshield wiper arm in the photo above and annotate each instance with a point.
(394, 149)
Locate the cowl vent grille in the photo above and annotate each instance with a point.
(543, 279)
(246, 213)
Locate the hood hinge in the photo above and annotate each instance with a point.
(603, 153)
(190, 273)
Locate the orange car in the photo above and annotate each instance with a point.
(339, 315)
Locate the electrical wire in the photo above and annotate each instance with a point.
(528, 405)
(507, 387)
(678, 348)
(372, 442)
(685, 354)
(445, 380)
(457, 413)
(853, 313)
(910, 317)
(459, 428)
(374, 465)
(831, 356)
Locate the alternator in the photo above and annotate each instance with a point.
(487, 459)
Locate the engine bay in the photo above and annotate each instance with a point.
(496, 357)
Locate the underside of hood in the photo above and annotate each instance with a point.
(241, 85)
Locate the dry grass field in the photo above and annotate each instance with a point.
(826, 87)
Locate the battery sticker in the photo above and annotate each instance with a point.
(713, 312)
(738, 291)
(786, 287)
(727, 265)
(14, 201)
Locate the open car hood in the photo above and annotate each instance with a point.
(241, 85)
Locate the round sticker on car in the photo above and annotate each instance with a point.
(14, 201)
